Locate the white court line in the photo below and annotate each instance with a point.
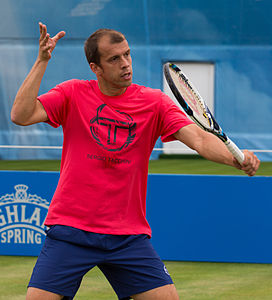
(60, 147)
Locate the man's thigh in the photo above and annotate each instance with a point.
(60, 266)
(136, 269)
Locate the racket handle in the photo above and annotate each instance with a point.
(236, 152)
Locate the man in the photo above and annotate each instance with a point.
(97, 214)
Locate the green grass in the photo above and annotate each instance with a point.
(30, 165)
(190, 164)
(193, 280)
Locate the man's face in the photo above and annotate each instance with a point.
(115, 71)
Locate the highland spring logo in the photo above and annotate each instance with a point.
(22, 217)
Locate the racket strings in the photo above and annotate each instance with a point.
(191, 96)
(186, 92)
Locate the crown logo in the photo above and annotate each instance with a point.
(21, 194)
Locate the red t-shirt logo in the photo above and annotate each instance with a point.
(112, 129)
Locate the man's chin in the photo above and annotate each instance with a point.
(126, 83)
(129, 83)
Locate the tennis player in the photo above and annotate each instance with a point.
(97, 216)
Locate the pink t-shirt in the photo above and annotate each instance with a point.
(106, 148)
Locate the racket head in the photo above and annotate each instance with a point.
(190, 99)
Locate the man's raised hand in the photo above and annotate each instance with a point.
(47, 44)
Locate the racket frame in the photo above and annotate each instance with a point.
(213, 127)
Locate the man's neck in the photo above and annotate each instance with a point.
(111, 91)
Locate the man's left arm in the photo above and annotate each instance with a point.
(212, 148)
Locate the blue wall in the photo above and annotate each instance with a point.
(211, 218)
(193, 218)
(236, 35)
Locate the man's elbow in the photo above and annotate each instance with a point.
(16, 119)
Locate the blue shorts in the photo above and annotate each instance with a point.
(129, 262)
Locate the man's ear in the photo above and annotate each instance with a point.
(95, 68)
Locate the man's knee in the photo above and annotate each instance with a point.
(38, 294)
(166, 292)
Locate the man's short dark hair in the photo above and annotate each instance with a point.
(91, 44)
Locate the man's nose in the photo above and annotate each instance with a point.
(124, 62)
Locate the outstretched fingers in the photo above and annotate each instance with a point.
(44, 38)
(58, 36)
(47, 44)
(43, 30)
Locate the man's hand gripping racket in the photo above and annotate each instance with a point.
(196, 108)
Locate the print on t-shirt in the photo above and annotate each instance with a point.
(112, 129)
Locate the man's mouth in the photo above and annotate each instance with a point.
(126, 76)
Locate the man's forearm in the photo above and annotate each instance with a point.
(215, 150)
(27, 109)
(212, 148)
(26, 99)
(206, 144)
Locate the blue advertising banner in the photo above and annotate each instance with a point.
(24, 202)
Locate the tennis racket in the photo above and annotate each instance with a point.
(195, 107)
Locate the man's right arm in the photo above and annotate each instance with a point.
(27, 109)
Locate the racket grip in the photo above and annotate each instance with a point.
(236, 152)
